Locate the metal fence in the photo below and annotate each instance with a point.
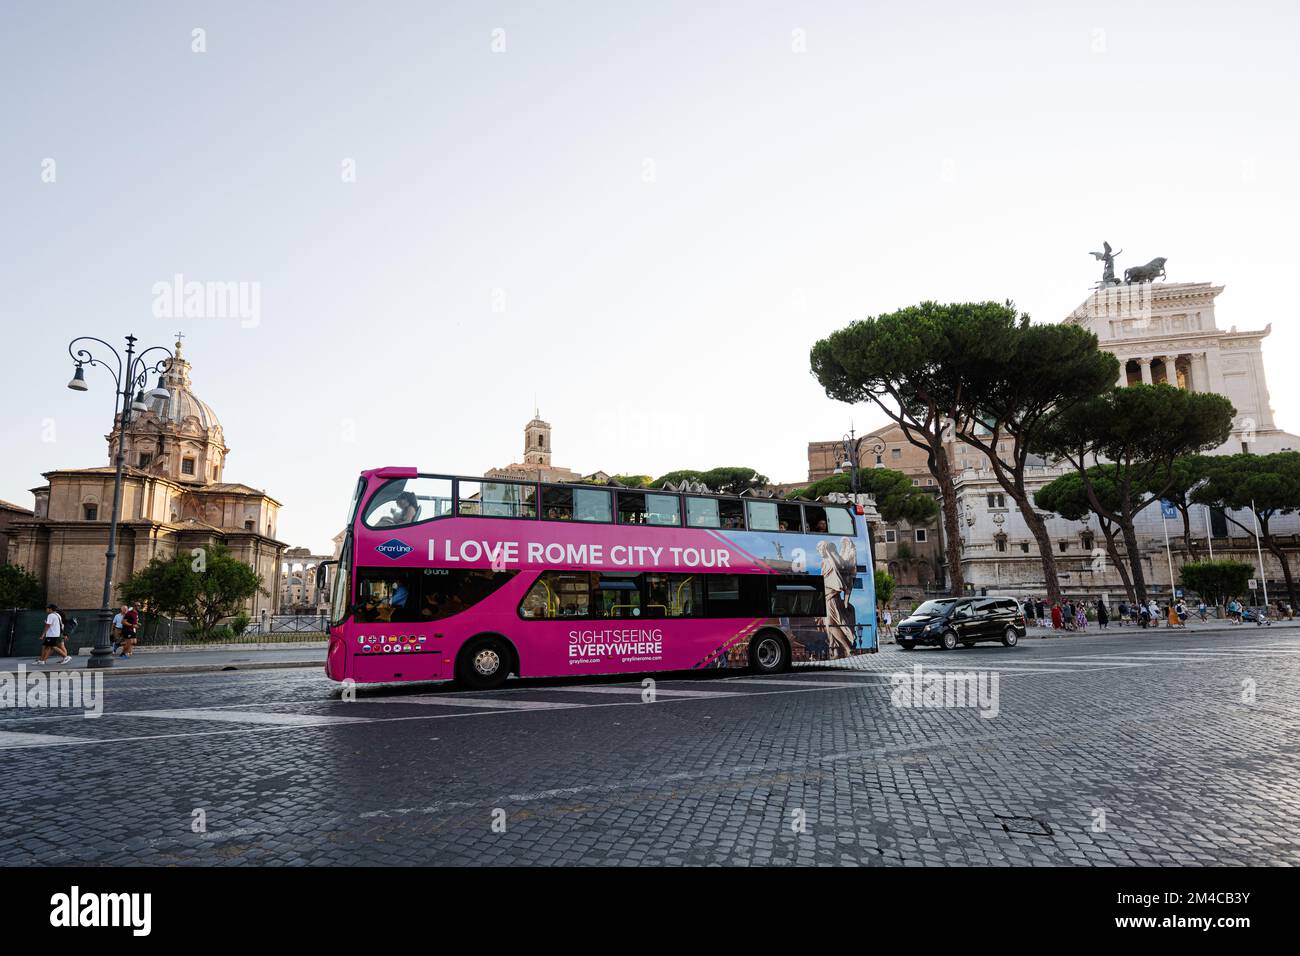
(20, 630)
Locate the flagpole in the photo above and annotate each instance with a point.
(1263, 575)
(1164, 523)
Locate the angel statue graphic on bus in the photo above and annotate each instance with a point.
(839, 568)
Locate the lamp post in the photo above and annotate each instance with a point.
(851, 446)
(130, 374)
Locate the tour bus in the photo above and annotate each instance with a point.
(444, 577)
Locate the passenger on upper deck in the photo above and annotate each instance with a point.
(406, 510)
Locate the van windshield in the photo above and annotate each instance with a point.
(934, 608)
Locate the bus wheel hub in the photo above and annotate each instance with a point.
(486, 662)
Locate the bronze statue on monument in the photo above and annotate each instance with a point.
(1155, 269)
(1108, 270)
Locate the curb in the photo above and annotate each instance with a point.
(145, 670)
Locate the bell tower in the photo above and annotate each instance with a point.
(537, 441)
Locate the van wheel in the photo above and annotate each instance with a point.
(906, 645)
(948, 641)
(1011, 638)
(768, 653)
(484, 663)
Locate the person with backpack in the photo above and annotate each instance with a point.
(52, 636)
(117, 627)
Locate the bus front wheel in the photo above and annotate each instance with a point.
(484, 663)
(768, 653)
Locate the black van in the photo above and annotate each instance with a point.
(948, 622)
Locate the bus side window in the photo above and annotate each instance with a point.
(839, 521)
(702, 513)
(673, 595)
(591, 504)
(736, 595)
(557, 504)
(619, 595)
(558, 594)
(815, 518)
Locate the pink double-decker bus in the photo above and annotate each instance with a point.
(445, 577)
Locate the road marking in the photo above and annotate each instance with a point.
(1228, 652)
(451, 700)
(12, 738)
(1139, 660)
(243, 717)
(829, 685)
(638, 690)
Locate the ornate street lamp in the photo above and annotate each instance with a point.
(851, 447)
(130, 374)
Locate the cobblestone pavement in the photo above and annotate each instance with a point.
(1140, 749)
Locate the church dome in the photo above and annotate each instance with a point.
(182, 403)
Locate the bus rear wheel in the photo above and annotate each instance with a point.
(768, 653)
(484, 663)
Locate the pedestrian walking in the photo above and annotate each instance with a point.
(1057, 617)
(1103, 616)
(1202, 611)
(887, 620)
(117, 628)
(130, 624)
(52, 636)
(1042, 609)
(1081, 616)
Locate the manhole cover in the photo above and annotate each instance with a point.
(1028, 825)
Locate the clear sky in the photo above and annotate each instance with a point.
(640, 214)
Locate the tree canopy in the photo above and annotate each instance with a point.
(1141, 431)
(903, 362)
(19, 588)
(1216, 581)
(727, 480)
(1266, 485)
(896, 497)
(203, 588)
(884, 586)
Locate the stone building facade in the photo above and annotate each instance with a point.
(1161, 332)
(9, 513)
(1168, 332)
(299, 593)
(174, 498)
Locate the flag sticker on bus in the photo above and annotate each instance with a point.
(393, 548)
